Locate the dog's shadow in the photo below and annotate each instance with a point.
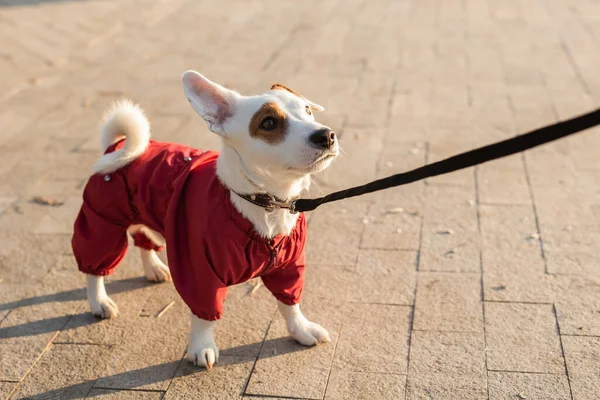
(57, 323)
(137, 379)
(20, 3)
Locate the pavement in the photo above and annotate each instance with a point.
(481, 284)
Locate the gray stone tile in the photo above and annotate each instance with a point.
(450, 239)
(512, 385)
(577, 305)
(325, 244)
(6, 202)
(448, 302)
(362, 386)
(384, 277)
(130, 296)
(151, 353)
(513, 267)
(503, 182)
(6, 388)
(447, 364)
(570, 249)
(226, 380)
(246, 318)
(28, 330)
(374, 338)
(446, 386)
(567, 207)
(59, 220)
(583, 355)
(64, 371)
(106, 394)
(451, 352)
(522, 338)
(386, 228)
(286, 368)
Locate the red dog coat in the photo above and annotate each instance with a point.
(174, 190)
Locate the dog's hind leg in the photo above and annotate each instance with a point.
(149, 242)
(154, 269)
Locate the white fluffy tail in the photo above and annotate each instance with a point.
(123, 120)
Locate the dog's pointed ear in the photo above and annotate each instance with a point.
(313, 106)
(212, 102)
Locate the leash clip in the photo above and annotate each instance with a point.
(292, 207)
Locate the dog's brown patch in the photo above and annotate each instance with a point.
(275, 135)
(279, 86)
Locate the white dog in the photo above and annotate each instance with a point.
(225, 217)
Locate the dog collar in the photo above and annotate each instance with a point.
(270, 202)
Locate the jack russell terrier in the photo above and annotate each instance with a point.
(224, 217)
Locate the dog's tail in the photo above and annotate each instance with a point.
(123, 120)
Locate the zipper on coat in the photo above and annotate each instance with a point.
(272, 259)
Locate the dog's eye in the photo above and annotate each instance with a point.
(268, 124)
(307, 108)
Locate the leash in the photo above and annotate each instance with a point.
(468, 159)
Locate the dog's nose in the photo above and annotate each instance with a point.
(323, 138)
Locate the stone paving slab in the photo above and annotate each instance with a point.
(481, 284)
(65, 371)
(357, 385)
(512, 385)
(523, 338)
(433, 312)
(581, 354)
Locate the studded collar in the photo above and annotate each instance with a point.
(270, 202)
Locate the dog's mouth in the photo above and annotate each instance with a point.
(327, 156)
(317, 165)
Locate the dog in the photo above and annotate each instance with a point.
(226, 217)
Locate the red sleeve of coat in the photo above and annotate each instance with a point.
(200, 288)
(287, 283)
(100, 233)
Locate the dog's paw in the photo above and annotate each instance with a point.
(104, 307)
(308, 333)
(157, 271)
(203, 354)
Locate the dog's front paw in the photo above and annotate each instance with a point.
(104, 307)
(307, 333)
(203, 353)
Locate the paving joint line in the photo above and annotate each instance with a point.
(562, 349)
(526, 372)
(262, 344)
(481, 282)
(381, 304)
(575, 335)
(531, 192)
(519, 302)
(127, 389)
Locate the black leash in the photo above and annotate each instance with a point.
(464, 160)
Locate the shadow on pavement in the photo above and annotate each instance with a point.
(171, 370)
(46, 325)
(123, 285)
(18, 3)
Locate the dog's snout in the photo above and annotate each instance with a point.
(323, 138)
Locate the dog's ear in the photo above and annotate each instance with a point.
(313, 106)
(212, 102)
